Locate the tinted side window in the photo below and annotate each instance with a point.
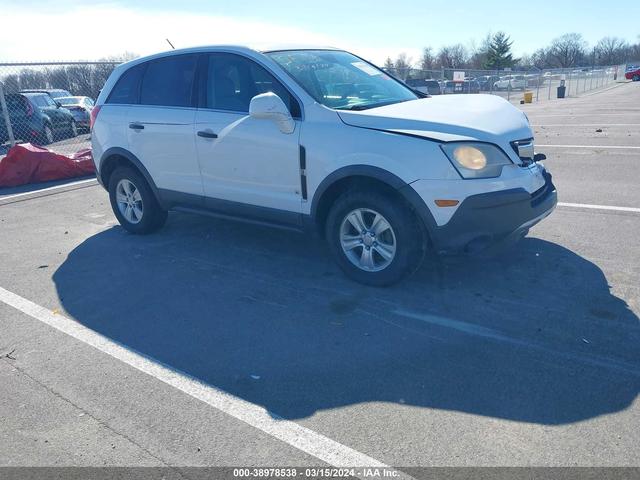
(127, 86)
(233, 80)
(169, 81)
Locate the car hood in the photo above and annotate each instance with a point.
(486, 118)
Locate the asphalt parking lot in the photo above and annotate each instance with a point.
(215, 343)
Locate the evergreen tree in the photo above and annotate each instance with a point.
(499, 55)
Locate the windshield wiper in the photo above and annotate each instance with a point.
(366, 106)
(360, 106)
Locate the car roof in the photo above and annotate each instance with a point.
(229, 48)
(42, 90)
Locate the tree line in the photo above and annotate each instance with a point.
(495, 53)
(84, 79)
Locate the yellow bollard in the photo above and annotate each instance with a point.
(528, 97)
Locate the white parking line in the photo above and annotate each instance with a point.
(535, 114)
(308, 441)
(602, 125)
(48, 189)
(599, 207)
(480, 331)
(614, 147)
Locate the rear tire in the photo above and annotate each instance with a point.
(133, 203)
(388, 244)
(636, 78)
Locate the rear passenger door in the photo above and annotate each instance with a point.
(160, 125)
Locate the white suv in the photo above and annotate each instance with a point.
(317, 139)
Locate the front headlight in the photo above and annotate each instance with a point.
(476, 160)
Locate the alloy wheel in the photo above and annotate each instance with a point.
(129, 201)
(368, 240)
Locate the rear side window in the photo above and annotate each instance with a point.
(169, 81)
(127, 86)
(16, 103)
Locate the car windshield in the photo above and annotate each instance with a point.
(340, 80)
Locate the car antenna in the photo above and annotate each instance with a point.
(170, 43)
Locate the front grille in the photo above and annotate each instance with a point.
(524, 150)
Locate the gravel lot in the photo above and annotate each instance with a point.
(529, 358)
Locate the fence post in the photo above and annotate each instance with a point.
(591, 82)
(540, 77)
(5, 114)
(550, 82)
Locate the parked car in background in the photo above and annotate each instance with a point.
(471, 86)
(633, 73)
(512, 82)
(36, 118)
(534, 80)
(428, 86)
(450, 86)
(54, 93)
(80, 108)
(486, 82)
(468, 86)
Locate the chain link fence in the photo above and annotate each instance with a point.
(516, 86)
(49, 103)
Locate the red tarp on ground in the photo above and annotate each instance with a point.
(26, 163)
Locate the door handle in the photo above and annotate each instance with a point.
(207, 134)
(136, 126)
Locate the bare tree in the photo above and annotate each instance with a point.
(568, 50)
(452, 56)
(540, 58)
(388, 64)
(611, 51)
(11, 83)
(478, 54)
(428, 59)
(403, 66)
(31, 78)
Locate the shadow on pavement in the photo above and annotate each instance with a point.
(533, 335)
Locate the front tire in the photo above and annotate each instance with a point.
(375, 237)
(133, 203)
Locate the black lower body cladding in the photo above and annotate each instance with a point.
(486, 219)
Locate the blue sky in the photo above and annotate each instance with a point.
(372, 28)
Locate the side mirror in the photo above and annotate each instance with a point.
(58, 105)
(269, 106)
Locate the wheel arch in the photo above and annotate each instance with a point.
(116, 157)
(365, 175)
